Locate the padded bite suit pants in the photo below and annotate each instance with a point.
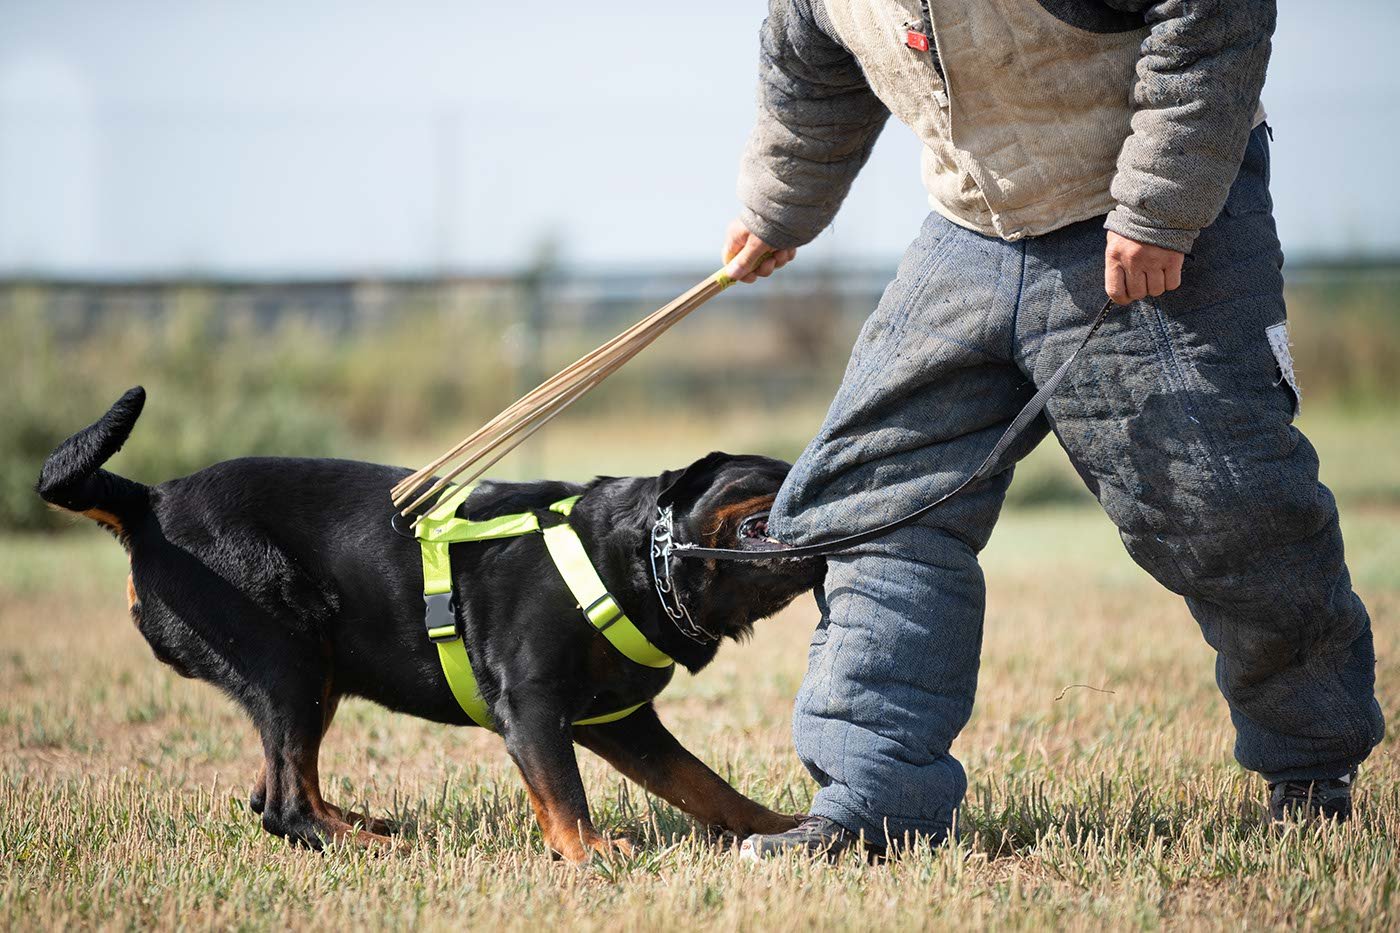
(1179, 417)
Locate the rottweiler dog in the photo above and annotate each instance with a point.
(282, 582)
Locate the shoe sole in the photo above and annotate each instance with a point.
(748, 851)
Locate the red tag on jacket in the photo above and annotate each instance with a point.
(916, 41)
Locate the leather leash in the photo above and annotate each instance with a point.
(1029, 413)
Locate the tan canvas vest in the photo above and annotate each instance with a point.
(1024, 137)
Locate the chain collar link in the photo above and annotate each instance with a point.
(662, 544)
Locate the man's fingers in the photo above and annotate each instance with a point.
(747, 260)
(1133, 269)
(1113, 282)
(1156, 281)
(1173, 277)
(749, 255)
(735, 236)
(1137, 284)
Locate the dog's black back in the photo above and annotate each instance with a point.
(261, 564)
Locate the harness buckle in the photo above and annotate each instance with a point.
(617, 612)
(440, 617)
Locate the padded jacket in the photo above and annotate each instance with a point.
(1034, 114)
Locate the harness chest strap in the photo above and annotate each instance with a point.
(440, 528)
(592, 594)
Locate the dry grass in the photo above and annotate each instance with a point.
(122, 787)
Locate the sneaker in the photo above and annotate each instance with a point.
(1307, 800)
(814, 836)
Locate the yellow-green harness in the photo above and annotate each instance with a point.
(441, 528)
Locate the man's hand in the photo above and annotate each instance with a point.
(1133, 270)
(743, 250)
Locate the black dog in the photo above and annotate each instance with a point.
(281, 582)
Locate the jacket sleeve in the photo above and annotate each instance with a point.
(1197, 90)
(817, 123)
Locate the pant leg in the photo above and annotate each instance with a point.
(893, 665)
(1180, 418)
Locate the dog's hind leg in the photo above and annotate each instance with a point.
(291, 800)
(643, 749)
(370, 824)
(257, 797)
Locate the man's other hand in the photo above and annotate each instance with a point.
(743, 252)
(1134, 270)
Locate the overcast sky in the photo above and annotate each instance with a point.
(353, 138)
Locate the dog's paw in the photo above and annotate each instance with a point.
(375, 843)
(370, 824)
(612, 847)
(373, 825)
(763, 824)
(782, 822)
(581, 851)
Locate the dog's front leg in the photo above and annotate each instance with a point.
(642, 748)
(539, 739)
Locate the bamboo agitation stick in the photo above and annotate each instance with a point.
(485, 447)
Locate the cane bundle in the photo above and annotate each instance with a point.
(482, 449)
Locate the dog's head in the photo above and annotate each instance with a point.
(722, 500)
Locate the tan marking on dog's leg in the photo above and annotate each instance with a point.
(372, 825)
(644, 750)
(329, 817)
(693, 787)
(572, 837)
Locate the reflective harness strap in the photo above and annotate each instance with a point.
(593, 597)
(440, 528)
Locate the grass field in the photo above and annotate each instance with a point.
(123, 788)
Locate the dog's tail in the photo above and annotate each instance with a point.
(72, 479)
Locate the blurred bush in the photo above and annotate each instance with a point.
(234, 396)
(241, 370)
(1345, 327)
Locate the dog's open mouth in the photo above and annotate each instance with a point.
(754, 536)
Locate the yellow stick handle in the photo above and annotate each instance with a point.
(725, 281)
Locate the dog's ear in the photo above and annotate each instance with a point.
(681, 488)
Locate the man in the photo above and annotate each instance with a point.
(1045, 122)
